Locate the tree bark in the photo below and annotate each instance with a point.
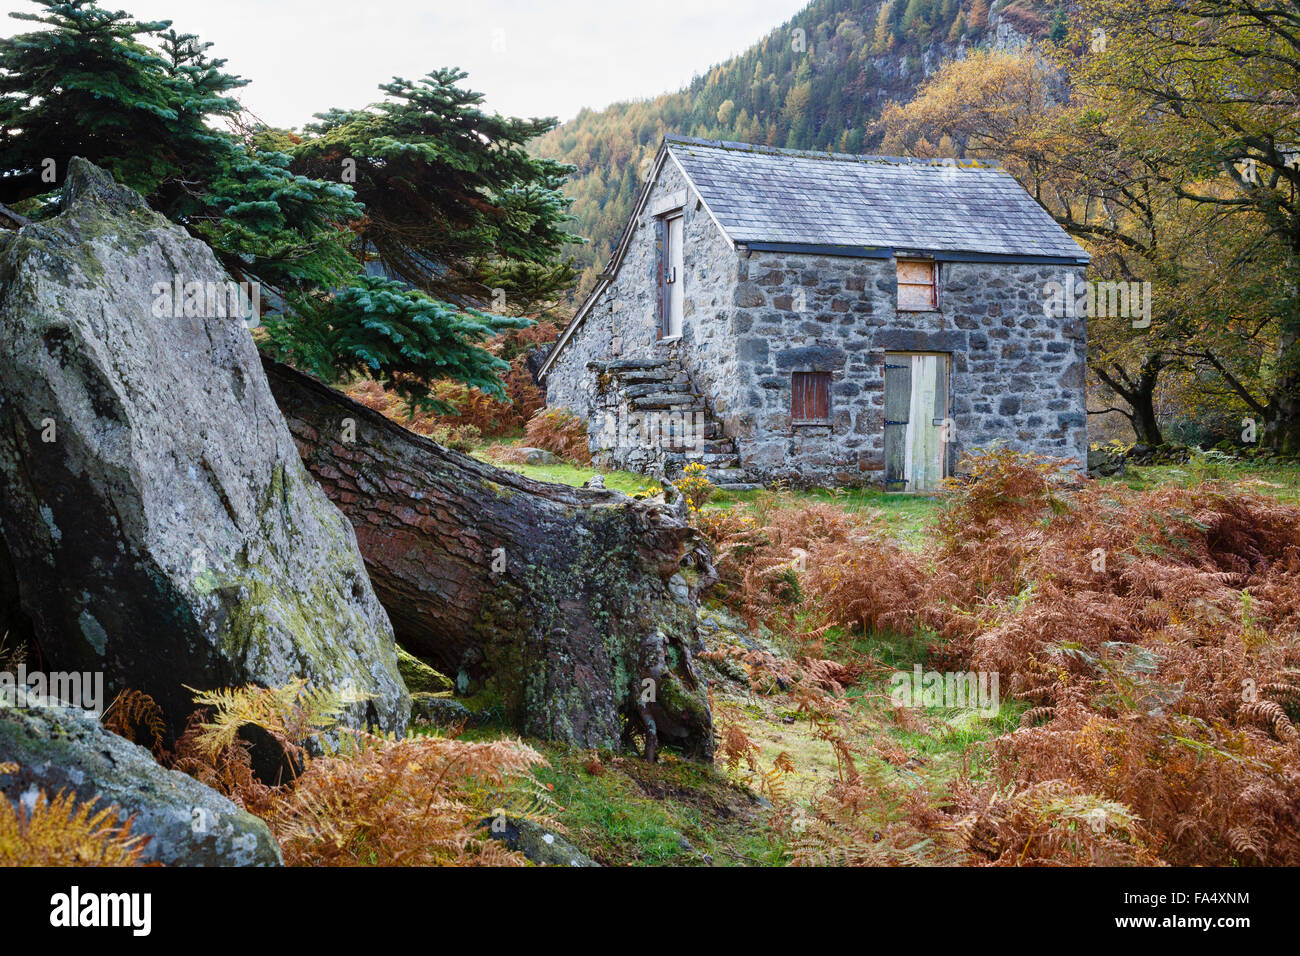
(573, 609)
(1139, 393)
(1282, 428)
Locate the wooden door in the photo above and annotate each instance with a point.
(676, 270)
(916, 409)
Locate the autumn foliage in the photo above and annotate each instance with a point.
(469, 416)
(560, 431)
(62, 831)
(1151, 640)
(356, 799)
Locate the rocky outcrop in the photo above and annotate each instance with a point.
(161, 526)
(61, 749)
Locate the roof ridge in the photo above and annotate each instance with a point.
(765, 150)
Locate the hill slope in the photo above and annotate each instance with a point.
(816, 82)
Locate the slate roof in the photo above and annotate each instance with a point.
(842, 204)
(762, 195)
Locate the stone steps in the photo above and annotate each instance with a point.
(656, 388)
(650, 387)
(646, 376)
(712, 460)
(679, 401)
(623, 365)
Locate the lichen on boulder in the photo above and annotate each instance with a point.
(419, 677)
(161, 526)
(60, 749)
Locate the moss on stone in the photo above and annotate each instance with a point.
(419, 677)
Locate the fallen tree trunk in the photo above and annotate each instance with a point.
(574, 608)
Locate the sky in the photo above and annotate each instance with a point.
(528, 57)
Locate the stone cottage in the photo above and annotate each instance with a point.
(826, 319)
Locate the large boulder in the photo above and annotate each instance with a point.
(160, 524)
(61, 749)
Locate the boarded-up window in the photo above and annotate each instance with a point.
(918, 285)
(810, 397)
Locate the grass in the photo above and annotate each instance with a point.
(564, 474)
(899, 651)
(905, 515)
(945, 738)
(1280, 481)
(623, 811)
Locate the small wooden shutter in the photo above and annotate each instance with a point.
(810, 397)
(660, 271)
(898, 406)
(918, 287)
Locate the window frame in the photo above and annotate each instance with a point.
(670, 276)
(815, 375)
(933, 284)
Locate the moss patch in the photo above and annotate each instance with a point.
(419, 677)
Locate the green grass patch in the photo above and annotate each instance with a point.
(893, 650)
(670, 813)
(565, 474)
(1280, 481)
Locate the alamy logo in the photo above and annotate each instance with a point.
(131, 910)
(208, 300)
(969, 690)
(74, 688)
(654, 430)
(1098, 299)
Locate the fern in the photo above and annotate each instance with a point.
(362, 799)
(65, 832)
(415, 802)
(290, 714)
(137, 717)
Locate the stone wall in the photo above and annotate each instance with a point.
(706, 349)
(1017, 375)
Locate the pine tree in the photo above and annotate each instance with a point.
(883, 38)
(90, 87)
(450, 191)
(453, 202)
(913, 15)
(383, 327)
(897, 10)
